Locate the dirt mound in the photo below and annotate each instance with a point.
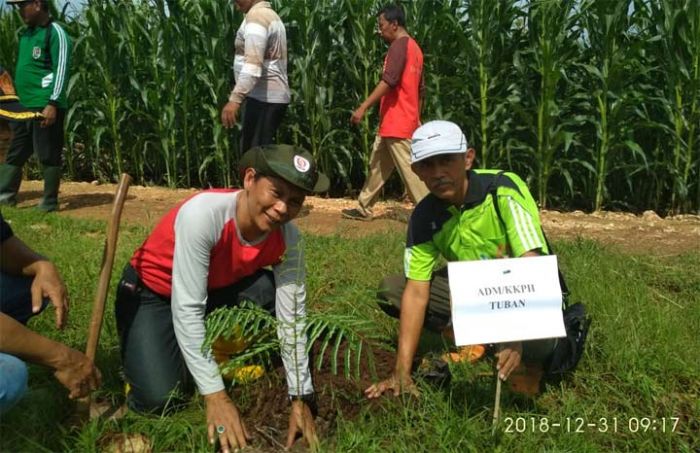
(265, 405)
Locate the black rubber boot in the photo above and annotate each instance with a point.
(10, 179)
(52, 180)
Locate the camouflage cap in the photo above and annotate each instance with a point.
(291, 163)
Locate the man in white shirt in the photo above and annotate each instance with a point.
(260, 69)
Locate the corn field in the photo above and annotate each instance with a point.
(596, 103)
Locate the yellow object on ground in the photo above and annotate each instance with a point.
(234, 344)
(470, 354)
(246, 374)
(223, 348)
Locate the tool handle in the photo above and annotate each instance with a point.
(108, 253)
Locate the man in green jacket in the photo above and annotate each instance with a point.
(468, 215)
(41, 78)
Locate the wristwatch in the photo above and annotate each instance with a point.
(309, 399)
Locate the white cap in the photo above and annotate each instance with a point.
(435, 138)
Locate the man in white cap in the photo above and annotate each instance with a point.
(468, 215)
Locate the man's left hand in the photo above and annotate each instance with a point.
(509, 356)
(48, 283)
(302, 420)
(49, 114)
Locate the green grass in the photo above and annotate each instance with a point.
(641, 358)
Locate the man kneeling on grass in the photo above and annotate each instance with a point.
(28, 283)
(215, 250)
(459, 220)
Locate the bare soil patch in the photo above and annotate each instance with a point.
(266, 406)
(638, 234)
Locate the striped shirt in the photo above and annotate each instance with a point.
(37, 84)
(260, 62)
(474, 232)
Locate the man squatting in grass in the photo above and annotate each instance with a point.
(399, 94)
(214, 250)
(457, 220)
(260, 69)
(41, 76)
(28, 283)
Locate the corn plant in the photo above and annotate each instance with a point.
(322, 93)
(593, 102)
(9, 25)
(155, 106)
(440, 30)
(614, 68)
(363, 68)
(677, 28)
(491, 27)
(553, 34)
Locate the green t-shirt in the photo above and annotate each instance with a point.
(37, 83)
(474, 232)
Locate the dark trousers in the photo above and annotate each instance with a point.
(438, 315)
(260, 123)
(16, 297)
(152, 360)
(29, 137)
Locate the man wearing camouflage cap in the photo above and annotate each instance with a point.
(215, 249)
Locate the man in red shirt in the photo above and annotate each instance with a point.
(220, 247)
(399, 94)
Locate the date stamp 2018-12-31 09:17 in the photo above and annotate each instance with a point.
(580, 425)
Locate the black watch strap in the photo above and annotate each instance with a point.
(309, 399)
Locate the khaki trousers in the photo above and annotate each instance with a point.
(387, 154)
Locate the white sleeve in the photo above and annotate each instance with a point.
(255, 36)
(290, 277)
(196, 233)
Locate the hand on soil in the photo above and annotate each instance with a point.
(78, 374)
(397, 385)
(222, 412)
(302, 420)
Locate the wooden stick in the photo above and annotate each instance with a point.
(497, 404)
(110, 247)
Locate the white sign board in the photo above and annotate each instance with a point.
(502, 300)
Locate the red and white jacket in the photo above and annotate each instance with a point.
(197, 247)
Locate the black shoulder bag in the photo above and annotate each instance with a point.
(568, 350)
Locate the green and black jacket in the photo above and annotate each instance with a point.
(476, 231)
